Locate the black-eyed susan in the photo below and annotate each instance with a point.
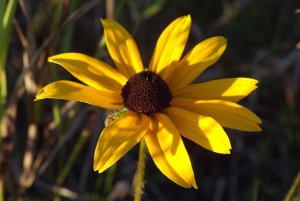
(163, 104)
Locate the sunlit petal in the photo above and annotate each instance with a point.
(228, 114)
(122, 48)
(118, 138)
(196, 61)
(168, 151)
(202, 130)
(68, 90)
(91, 71)
(170, 45)
(230, 89)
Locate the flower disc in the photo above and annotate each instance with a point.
(147, 93)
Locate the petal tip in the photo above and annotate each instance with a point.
(189, 184)
(222, 40)
(187, 20)
(52, 58)
(103, 21)
(259, 120)
(258, 129)
(55, 58)
(99, 170)
(225, 152)
(194, 184)
(107, 21)
(97, 165)
(185, 17)
(39, 96)
(188, 17)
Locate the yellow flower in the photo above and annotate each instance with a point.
(163, 104)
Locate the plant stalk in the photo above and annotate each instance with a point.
(139, 184)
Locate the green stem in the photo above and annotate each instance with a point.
(7, 14)
(3, 93)
(140, 172)
(6, 19)
(1, 188)
(293, 189)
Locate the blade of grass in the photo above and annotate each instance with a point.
(109, 179)
(71, 19)
(80, 117)
(290, 195)
(2, 8)
(66, 41)
(71, 160)
(153, 9)
(5, 29)
(1, 188)
(55, 108)
(66, 44)
(73, 156)
(7, 16)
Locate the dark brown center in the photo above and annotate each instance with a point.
(147, 93)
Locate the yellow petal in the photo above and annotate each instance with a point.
(68, 90)
(230, 89)
(122, 48)
(91, 71)
(228, 114)
(204, 131)
(168, 151)
(170, 45)
(118, 138)
(196, 61)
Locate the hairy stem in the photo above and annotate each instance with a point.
(140, 172)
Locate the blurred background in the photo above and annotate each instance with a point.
(47, 146)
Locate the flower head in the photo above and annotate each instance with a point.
(163, 104)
